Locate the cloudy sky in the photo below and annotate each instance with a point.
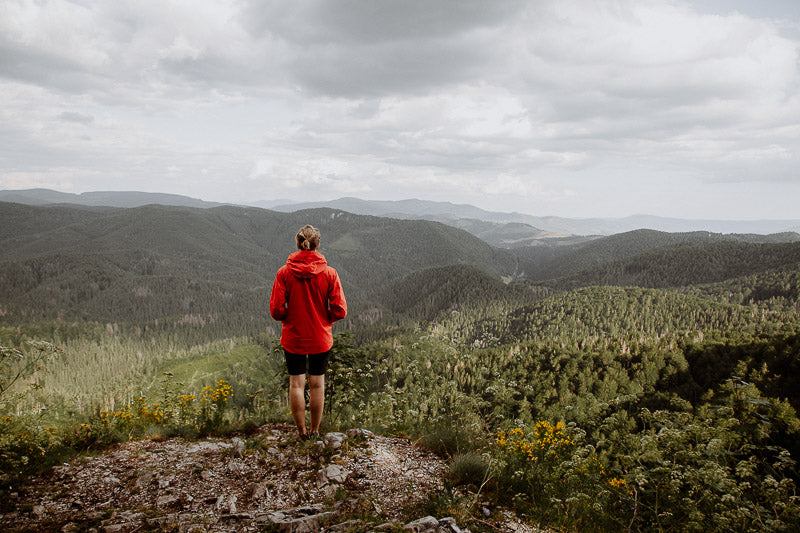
(576, 108)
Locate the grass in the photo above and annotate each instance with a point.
(201, 369)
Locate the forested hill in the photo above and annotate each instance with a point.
(153, 261)
(425, 294)
(541, 263)
(688, 264)
(146, 262)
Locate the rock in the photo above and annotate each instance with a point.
(331, 474)
(123, 527)
(257, 491)
(235, 467)
(227, 504)
(192, 528)
(144, 478)
(350, 525)
(38, 511)
(237, 450)
(423, 525)
(334, 439)
(304, 519)
(129, 516)
(69, 527)
(165, 482)
(168, 500)
(207, 446)
(359, 433)
(448, 525)
(237, 517)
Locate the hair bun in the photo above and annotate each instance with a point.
(308, 238)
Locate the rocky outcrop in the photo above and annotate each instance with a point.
(270, 480)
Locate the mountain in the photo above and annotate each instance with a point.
(401, 209)
(100, 198)
(159, 261)
(683, 265)
(507, 230)
(550, 263)
(549, 225)
(424, 294)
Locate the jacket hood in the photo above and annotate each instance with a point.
(306, 264)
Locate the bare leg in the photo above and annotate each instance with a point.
(297, 401)
(316, 389)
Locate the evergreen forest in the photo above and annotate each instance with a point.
(645, 381)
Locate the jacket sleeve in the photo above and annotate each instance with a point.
(337, 305)
(277, 300)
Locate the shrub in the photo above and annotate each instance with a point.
(550, 473)
(469, 469)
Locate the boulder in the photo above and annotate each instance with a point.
(359, 433)
(426, 524)
(237, 448)
(334, 439)
(331, 474)
(448, 525)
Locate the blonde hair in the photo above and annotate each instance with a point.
(308, 238)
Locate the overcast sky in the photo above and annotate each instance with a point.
(576, 108)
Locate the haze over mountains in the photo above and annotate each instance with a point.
(507, 230)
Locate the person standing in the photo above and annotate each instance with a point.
(307, 298)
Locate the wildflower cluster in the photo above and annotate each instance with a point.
(620, 485)
(186, 408)
(216, 395)
(186, 400)
(123, 415)
(183, 414)
(154, 415)
(550, 471)
(547, 441)
(213, 403)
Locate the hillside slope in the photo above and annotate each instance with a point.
(550, 263)
(688, 264)
(155, 261)
(618, 312)
(427, 293)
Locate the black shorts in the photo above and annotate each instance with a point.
(317, 363)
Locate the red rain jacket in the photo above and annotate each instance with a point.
(307, 298)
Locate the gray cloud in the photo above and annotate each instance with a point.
(538, 98)
(80, 118)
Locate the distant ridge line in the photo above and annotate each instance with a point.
(495, 228)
